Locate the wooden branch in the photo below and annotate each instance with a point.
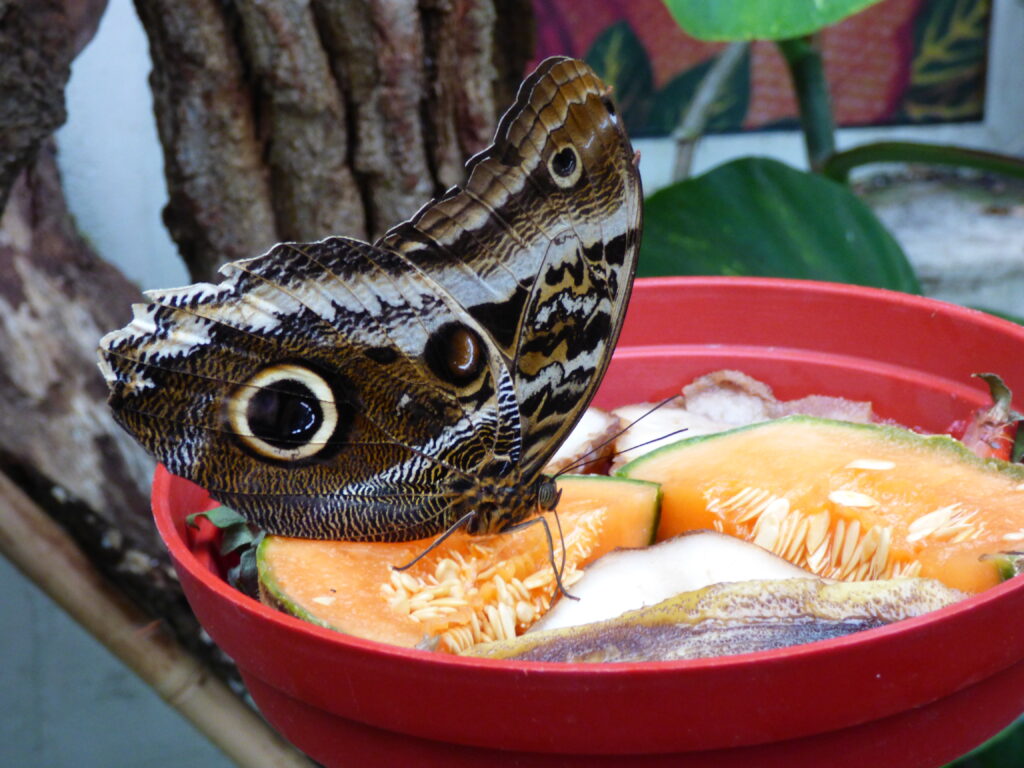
(58, 440)
(56, 299)
(45, 554)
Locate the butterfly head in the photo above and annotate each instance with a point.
(509, 502)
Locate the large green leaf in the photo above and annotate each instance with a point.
(1001, 751)
(756, 216)
(759, 20)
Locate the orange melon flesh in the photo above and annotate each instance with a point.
(469, 587)
(843, 500)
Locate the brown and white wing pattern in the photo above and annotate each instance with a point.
(541, 244)
(381, 392)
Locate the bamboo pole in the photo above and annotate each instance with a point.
(42, 550)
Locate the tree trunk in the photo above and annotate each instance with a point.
(295, 120)
(38, 40)
(279, 119)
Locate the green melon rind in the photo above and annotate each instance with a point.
(884, 432)
(272, 594)
(655, 517)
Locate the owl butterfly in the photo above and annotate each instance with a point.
(386, 392)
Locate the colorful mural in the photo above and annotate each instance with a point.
(899, 62)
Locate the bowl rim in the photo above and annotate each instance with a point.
(183, 555)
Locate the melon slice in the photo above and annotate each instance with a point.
(467, 590)
(845, 501)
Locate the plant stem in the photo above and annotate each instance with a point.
(808, 74)
(839, 165)
(698, 112)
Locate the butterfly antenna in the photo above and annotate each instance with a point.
(582, 461)
(561, 567)
(555, 568)
(653, 440)
(434, 544)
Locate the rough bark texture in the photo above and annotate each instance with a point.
(38, 40)
(58, 441)
(291, 120)
(217, 181)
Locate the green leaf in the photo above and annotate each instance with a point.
(756, 216)
(619, 58)
(235, 537)
(221, 517)
(747, 20)
(1001, 751)
(245, 575)
(727, 113)
(235, 531)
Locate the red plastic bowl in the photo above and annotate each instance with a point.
(916, 693)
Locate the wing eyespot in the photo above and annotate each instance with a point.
(456, 353)
(565, 167)
(285, 412)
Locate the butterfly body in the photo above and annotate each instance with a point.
(384, 392)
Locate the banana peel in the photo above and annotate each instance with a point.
(731, 618)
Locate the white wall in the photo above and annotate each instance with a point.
(110, 156)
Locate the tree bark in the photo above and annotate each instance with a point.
(58, 440)
(38, 40)
(291, 120)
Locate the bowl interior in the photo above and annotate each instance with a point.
(910, 356)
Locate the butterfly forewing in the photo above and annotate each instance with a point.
(380, 392)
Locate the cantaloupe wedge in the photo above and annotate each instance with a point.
(467, 590)
(845, 501)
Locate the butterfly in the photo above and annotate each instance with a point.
(391, 391)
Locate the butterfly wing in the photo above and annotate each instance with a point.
(339, 389)
(540, 246)
(309, 390)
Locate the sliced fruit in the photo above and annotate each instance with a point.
(845, 501)
(589, 448)
(466, 590)
(628, 579)
(726, 619)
